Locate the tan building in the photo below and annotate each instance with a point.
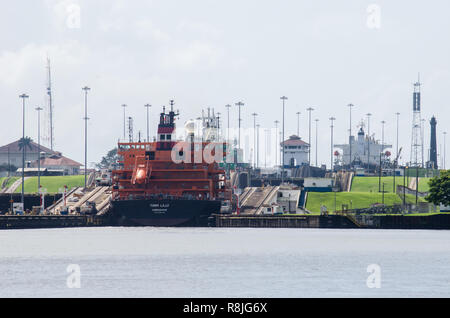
(58, 162)
(53, 161)
(11, 154)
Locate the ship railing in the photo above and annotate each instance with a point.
(165, 197)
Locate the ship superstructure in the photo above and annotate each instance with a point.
(169, 182)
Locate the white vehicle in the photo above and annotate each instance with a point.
(104, 179)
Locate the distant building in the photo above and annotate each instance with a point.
(52, 161)
(318, 184)
(360, 150)
(57, 162)
(295, 151)
(11, 154)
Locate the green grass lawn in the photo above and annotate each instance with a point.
(10, 182)
(370, 184)
(355, 200)
(423, 184)
(52, 184)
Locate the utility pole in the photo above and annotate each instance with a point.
(332, 119)
(148, 121)
(257, 145)
(382, 144)
(276, 142)
(310, 109)
(284, 99)
(39, 147)
(86, 90)
(124, 122)
(350, 106)
(422, 127)
(23, 96)
(254, 139)
(228, 123)
(396, 160)
(50, 104)
(368, 142)
(239, 104)
(317, 138)
(266, 146)
(298, 124)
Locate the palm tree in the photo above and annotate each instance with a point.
(25, 143)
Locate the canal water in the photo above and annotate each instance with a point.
(219, 262)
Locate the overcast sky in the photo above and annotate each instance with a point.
(324, 54)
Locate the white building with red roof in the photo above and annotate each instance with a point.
(58, 162)
(295, 151)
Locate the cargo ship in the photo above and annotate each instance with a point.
(168, 182)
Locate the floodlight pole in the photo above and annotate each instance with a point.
(86, 90)
(23, 96)
(284, 99)
(148, 121)
(39, 147)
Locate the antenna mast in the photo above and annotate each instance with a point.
(130, 129)
(416, 136)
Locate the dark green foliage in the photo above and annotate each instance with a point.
(109, 160)
(6, 167)
(440, 189)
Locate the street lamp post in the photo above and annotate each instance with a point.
(298, 124)
(381, 154)
(239, 104)
(86, 90)
(396, 158)
(39, 147)
(332, 119)
(422, 126)
(23, 96)
(368, 142)
(404, 186)
(283, 98)
(277, 152)
(317, 138)
(350, 106)
(257, 145)
(228, 122)
(148, 121)
(310, 109)
(266, 146)
(254, 139)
